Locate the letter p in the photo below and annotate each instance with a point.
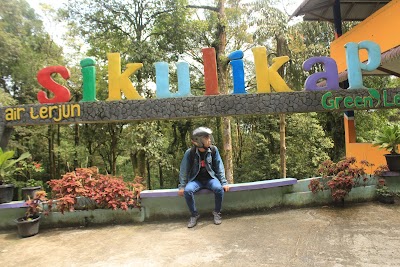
(354, 66)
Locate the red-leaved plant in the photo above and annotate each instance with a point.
(105, 190)
(381, 170)
(34, 206)
(340, 177)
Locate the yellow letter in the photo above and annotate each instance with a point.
(19, 110)
(44, 112)
(33, 116)
(75, 108)
(262, 73)
(118, 82)
(60, 114)
(51, 108)
(274, 78)
(9, 114)
(265, 76)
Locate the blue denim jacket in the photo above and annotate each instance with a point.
(188, 172)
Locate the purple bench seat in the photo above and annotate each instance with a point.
(13, 205)
(233, 188)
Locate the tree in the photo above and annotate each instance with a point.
(129, 28)
(218, 40)
(307, 145)
(25, 48)
(271, 26)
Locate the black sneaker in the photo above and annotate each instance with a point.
(193, 221)
(217, 217)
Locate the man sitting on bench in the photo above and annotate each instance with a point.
(202, 167)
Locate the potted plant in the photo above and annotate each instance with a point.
(389, 139)
(29, 224)
(28, 169)
(31, 187)
(7, 169)
(340, 178)
(383, 193)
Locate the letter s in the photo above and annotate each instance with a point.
(61, 93)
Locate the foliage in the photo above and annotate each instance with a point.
(107, 191)
(25, 47)
(147, 142)
(389, 139)
(151, 30)
(380, 170)
(371, 122)
(307, 144)
(316, 185)
(340, 177)
(35, 206)
(256, 155)
(8, 164)
(6, 99)
(383, 190)
(305, 40)
(256, 146)
(120, 26)
(33, 183)
(28, 168)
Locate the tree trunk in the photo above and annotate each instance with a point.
(226, 124)
(141, 164)
(76, 135)
(148, 175)
(52, 165)
(280, 42)
(239, 142)
(138, 163)
(222, 80)
(282, 130)
(160, 173)
(58, 170)
(115, 132)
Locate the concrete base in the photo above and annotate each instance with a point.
(91, 217)
(170, 207)
(76, 218)
(159, 208)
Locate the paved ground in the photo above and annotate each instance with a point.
(366, 234)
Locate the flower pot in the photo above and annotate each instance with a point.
(393, 162)
(27, 228)
(339, 203)
(6, 193)
(386, 199)
(29, 192)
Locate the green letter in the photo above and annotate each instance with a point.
(359, 102)
(368, 102)
(348, 102)
(397, 100)
(337, 101)
(89, 79)
(385, 103)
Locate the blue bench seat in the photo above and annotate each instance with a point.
(233, 188)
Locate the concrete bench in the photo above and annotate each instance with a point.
(233, 188)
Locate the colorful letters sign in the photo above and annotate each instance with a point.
(267, 78)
